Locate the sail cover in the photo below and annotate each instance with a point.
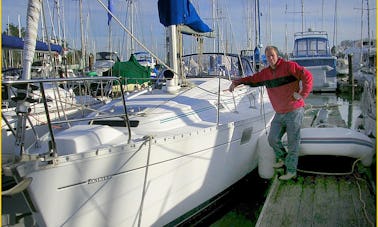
(131, 70)
(174, 12)
(13, 42)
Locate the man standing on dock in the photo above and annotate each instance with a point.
(281, 79)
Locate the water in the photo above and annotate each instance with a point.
(348, 106)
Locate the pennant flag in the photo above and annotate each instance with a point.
(110, 7)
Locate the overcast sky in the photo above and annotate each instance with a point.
(279, 20)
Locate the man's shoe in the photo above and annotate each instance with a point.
(278, 164)
(288, 176)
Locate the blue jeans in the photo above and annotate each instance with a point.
(291, 124)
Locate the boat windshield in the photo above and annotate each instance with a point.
(100, 56)
(215, 64)
(311, 47)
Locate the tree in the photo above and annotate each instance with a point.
(13, 30)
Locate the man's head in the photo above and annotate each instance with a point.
(271, 53)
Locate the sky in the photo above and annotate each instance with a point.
(279, 20)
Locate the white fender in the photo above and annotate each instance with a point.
(266, 158)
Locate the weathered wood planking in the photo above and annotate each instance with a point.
(318, 201)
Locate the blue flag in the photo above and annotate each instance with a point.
(110, 7)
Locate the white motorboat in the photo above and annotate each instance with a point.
(311, 50)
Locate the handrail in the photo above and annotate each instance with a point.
(26, 98)
(311, 33)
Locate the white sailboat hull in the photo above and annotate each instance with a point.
(106, 188)
(181, 154)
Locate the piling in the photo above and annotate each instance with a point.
(350, 75)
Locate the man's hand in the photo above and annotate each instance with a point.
(232, 87)
(297, 96)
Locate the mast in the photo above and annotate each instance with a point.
(335, 26)
(132, 26)
(368, 27)
(256, 18)
(83, 57)
(59, 16)
(302, 12)
(23, 99)
(362, 23)
(213, 8)
(34, 9)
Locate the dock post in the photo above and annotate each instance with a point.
(350, 76)
(351, 84)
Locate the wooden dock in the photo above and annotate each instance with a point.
(320, 200)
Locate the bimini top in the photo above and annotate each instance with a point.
(13, 42)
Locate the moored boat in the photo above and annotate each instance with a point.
(149, 157)
(337, 142)
(311, 50)
(165, 160)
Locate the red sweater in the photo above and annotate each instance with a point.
(281, 84)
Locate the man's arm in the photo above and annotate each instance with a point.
(303, 75)
(306, 79)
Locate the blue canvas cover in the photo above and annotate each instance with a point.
(13, 42)
(175, 12)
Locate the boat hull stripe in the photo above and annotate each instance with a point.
(337, 141)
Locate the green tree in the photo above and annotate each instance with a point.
(13, 30)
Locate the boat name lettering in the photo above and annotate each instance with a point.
(99, 179)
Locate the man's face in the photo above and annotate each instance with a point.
(272, 57)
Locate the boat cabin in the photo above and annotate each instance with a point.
(311, 44)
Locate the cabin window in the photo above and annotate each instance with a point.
(302, 47)
(312, 48)
(322, 47)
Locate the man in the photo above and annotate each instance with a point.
(281, 79)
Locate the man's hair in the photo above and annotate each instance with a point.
(272, 48)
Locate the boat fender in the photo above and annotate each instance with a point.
(322, 116)
(266, 158)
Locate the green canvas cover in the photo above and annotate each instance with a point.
(131, 71)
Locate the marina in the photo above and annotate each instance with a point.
(305, 200)
(183, 140)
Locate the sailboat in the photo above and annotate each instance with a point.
(150, 157)
(23, 112)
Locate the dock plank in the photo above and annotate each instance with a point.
(305, 214)
(291, 203)
(318, 201)
(324, 195)
(348, 201)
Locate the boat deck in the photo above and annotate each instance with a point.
(320, 200)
